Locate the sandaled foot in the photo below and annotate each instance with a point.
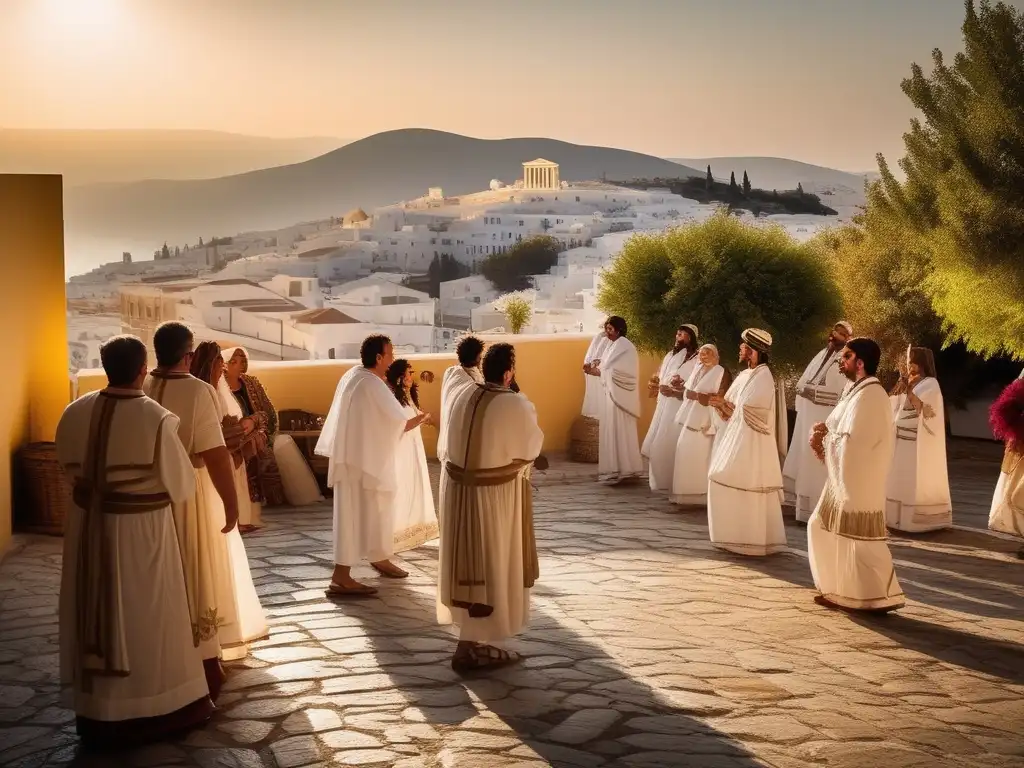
(246, 528)
(355, 589)
(481, 657)
(389, 570)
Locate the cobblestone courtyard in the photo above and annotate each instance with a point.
(647, 648)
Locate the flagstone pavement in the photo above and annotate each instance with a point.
(647, 648)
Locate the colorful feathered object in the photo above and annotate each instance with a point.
(1006, 416)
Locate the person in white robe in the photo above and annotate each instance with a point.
(817, 392)
(127, 657)
(415, 518)
(696, 432)
(918, 498)
(1007, 419)
(228, 611)
(847, 543)
(659, 447)
(469, 351)
(360, 438)
(593, 393)
(488, 554)
(619, 456)
(745, 473)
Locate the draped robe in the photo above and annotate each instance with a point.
(488, 554)
(803, 476)
(696, 437)
(846, 536)
(918, 497)
(593, 394)
(415, 520)
(618, 444)
(455, 378)
(745, 476)
(360, 438)
(660, 444)
(126, 640)
(226, 610)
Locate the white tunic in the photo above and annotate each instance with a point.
(593, 394)
(663, 436)
(803, 476)
(696, 438)
(455, 378)
(744, 477)
(618, 442)
(846, 537)
(223, 577)
(512, 434)
(415, 518)
(360, 437)
(165, 668)
(918, 495)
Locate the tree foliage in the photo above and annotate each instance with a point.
(963, 196)
(880, 273)
(724, 275)
(442, 269)
(518, 310)
(746, 184)
(511, 271)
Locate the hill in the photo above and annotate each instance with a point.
(379, 170)
(759, 202)
(779, 173)
(89, 157)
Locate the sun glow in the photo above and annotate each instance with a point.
(84, 17)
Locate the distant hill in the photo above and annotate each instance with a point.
(779, 173)
(379, 170)
(89, 157)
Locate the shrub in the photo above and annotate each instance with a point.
(517, 310)
(724, 275)
(511, 271)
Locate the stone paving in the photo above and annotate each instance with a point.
(647, 648)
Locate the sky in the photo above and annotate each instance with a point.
(812, 80)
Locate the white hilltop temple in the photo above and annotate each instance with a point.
(541, 174)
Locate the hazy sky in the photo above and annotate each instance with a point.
(814, 80)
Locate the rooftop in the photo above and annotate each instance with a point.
(647, 647)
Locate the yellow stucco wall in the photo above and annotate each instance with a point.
(548, 370)
(34, 389)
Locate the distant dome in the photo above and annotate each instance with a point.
(355, 216)
(497, 184)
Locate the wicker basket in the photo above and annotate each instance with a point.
(583, 442)
(46, 493)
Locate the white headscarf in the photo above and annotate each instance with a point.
(229, 402)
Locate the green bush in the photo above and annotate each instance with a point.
(724, 275)
(511, 271)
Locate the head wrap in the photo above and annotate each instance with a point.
(846, 325)
(692, 329)
(757, 339)
(714, 350)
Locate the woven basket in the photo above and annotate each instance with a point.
(583, 440)
(47, 494)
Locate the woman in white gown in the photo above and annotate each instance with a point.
(251, 623)
(415, 515)
(693, 448)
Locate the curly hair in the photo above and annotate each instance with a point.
(395, 374)
(204, 358)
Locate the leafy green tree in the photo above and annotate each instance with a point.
(442, 269)
(746, 184)
(518, 310)
(963, 196)
(880, 272)
(724, 275)
(510, 271)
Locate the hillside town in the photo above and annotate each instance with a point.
(314, 290)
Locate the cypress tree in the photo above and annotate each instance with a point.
(746, 183)
(732, 183)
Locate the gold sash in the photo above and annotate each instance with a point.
(467, 560)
